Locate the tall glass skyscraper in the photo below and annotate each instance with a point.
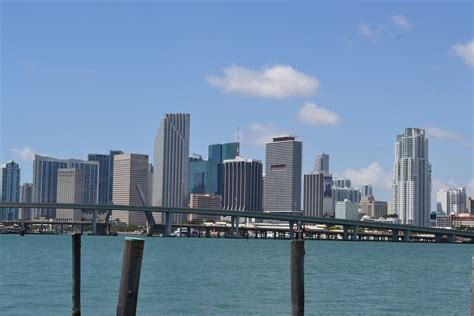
(283, 175)
(106, 174)
(411, 187)
(9, 188)
(171, 163)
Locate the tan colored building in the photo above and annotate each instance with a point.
(70, 190)
(372, 208)
(130, 170)
(211, 201)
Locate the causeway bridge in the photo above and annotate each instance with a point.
(351, 230)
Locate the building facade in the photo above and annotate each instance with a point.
(26, 197)
(372, 208)
(70, 184)
(347, 210)
(211, 201)
(171, 163)
(322, 163)
(106, 168)
(411, 186)
(130, 171)
(366, 190)
(242, 185)
(317, 197)
(9, 188)
(283, 171)
(451, 201)
(45, 173)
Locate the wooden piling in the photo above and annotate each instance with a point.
(76, 274)
(297, 277)
(130, 278)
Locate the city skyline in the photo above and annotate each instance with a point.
(356, 81)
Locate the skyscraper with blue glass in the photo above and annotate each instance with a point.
(9, 188)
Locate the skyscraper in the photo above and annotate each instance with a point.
(366, 190)
(411, 187)
(322, 163)
(70, 184)
(106, 172)
(317, 197)
(171, 164)
(9, 188)
(242, 185)
(130, 171)
(45, 173)
(451, 201)
(283, 174)
(26, 197)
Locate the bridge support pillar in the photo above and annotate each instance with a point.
(208, 232)
(394, 234)
(237, 222)
(438, 238)
(345, 235)
(406, 235)
(292, 233)
(167, 224)
(451, 238)
(355, 233)
(94, 222)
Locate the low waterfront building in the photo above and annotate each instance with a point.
(210, 201)
(372, 208)
(347, 210)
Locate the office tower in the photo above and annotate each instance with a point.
(211, 201)
(217, 154)
(106, 169)
(451, 201)
(171, 166)
(411, 187)
(26, 197)
(283, 175)
(9, 188)
(372, 208)
(342, 190)
(69, 190)
(130, 171)
(366, 190)
(242, 185)
(45, 172)
(198, 171)
(317, 197)
(469, 205)
(347, 210)
(322, 163)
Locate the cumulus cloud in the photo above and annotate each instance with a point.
(24, 153)
(465, 51)
(373, 174)
(400, 21)
(259, 134)
(311, 114)
(280, 81)
(442, 134)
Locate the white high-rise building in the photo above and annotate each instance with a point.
(130, 171)
(411, 187)
(171, 165)
(69, 190)
(451, 201)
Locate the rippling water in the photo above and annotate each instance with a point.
(182, 276)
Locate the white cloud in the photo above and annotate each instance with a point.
(373, 174)
(400, 21)
(24, 153)
(259, 134)
(442, 134)
(465, 51)
(365, 30)
(311, 114)
(280, 81)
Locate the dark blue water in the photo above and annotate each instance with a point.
(183, 276)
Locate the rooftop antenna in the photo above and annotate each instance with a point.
(238, 141)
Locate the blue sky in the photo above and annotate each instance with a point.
(85, 77)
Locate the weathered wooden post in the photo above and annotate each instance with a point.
(76, 274)
(130, 278)
(297, 277)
